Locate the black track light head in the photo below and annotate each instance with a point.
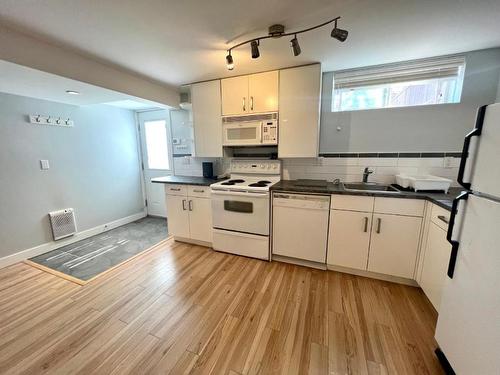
(295, 46)
(229, 61)
(339, 34)
(254, 44)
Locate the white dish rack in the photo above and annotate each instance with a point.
(423, 183)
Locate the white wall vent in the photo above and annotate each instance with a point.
(63, 223)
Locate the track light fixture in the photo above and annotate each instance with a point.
(254, 44)
(278, 31)
(295, 46)
(229, 61)
(339, 34)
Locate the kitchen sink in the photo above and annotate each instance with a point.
(370, 187)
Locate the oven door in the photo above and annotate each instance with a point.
(241, 211)
(242, 133)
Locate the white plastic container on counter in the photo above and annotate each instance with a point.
(423, 183)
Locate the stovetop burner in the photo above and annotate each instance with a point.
(233, 182)
(263, 182)
(258, 184)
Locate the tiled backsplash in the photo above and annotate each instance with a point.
(191, 166)
(347, 168)
(350, 169)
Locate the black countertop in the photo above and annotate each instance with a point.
(186, 180)
(297, 186)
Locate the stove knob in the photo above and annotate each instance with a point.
(269, 166)
(262, 166)
(274, 166)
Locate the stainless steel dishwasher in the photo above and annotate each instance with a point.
(300, 226)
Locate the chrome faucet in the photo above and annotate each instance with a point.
(366, 173)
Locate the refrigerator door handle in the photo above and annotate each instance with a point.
(449, 235)
(476, 132)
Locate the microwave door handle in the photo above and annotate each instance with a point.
(261, 127)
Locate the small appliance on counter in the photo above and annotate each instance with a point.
(423, 183)
(208, 169)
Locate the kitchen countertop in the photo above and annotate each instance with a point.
(441, 199)
(186, 180)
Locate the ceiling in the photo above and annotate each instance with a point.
(20, 80)
(178, 42)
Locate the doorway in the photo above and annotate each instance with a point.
(155, 136)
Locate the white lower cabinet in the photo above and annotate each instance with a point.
(435, 264)
(375, 234)
(189, 212)
(394, 245)
(177, 216)
(200, 219)
(349, 238)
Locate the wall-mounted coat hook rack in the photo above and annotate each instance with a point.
(51, 120)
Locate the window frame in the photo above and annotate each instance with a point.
(439, 70)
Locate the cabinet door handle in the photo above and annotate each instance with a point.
(175, 189)
(244, 105)
(443, 219)
(198, 191)
(251, 103)
(190, 205)
(184, 205)
(366, 224)
(379, 224)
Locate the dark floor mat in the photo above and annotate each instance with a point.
(88, 258)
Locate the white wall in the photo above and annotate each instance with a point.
(438, 128)
(94, 169)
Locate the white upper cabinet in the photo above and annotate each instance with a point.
(263, 92)
(235, 96)
(299, 107)
(206, 102)
(255, 93)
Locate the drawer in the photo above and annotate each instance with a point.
(199, 191)
(440, 216)
(352, 203)
(399, 206)
(176, 189)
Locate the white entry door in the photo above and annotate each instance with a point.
(156, 156)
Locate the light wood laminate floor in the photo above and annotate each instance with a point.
(187, 309)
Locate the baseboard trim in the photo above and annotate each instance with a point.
(49, 246)
(373, 275)
(192, 241)
(298, 262)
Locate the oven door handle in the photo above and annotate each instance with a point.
(240, 194)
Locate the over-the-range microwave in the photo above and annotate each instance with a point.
(253, 130)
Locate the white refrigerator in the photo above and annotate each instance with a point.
(468, 327)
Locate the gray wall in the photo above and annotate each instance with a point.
(498, 92)
(94, 168)
(423, 128)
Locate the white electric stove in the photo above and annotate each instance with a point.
(241, 208)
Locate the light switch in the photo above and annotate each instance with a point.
(44, 164)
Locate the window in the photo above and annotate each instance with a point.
(422, 82)
(156, 144)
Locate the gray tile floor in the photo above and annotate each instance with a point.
(94, 255)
